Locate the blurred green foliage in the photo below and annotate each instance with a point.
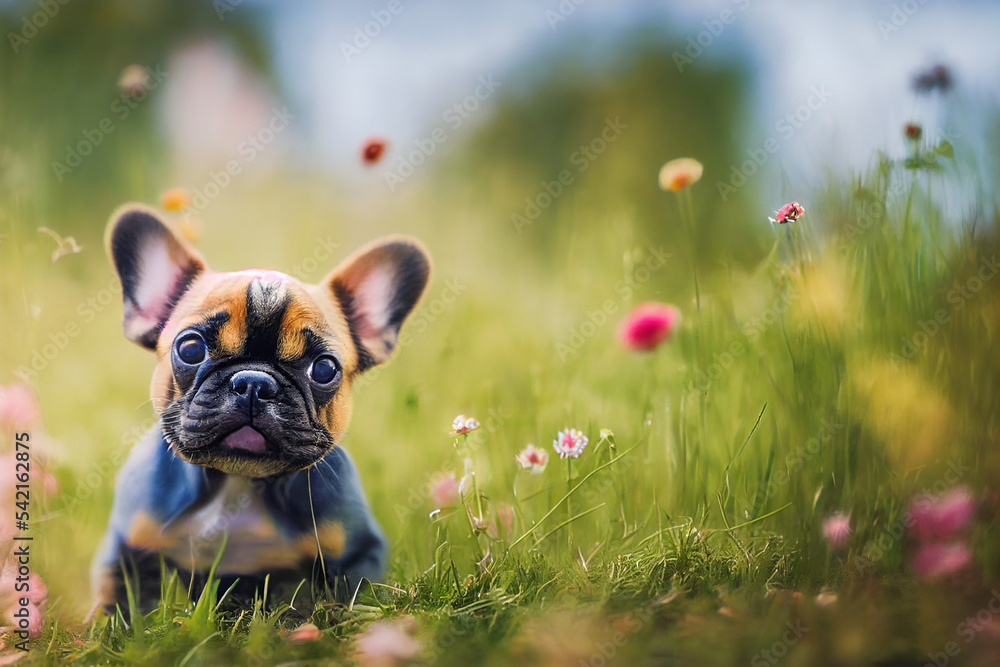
(63, 80)
(789, 392)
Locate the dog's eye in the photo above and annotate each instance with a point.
(191, 349)
(324, 370)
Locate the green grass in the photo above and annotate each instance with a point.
(689, 531)
(807, 378)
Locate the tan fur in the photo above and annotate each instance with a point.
(145, 533)
(313, 307)
(331, 537)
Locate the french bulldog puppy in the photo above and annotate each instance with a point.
(252, 387)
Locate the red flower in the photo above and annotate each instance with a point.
(648, 325)
(788, 213)
(912, 131)
(372, 150)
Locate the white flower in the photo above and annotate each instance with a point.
(569, 443)
(680, 173)
(462, 425)
(533, 459)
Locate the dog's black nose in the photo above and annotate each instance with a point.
(251, 386)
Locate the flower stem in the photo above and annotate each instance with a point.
(686, 207)
(569, 501)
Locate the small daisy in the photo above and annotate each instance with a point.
(912, 131)
(462, 425)
(533, 459)
(569, 443)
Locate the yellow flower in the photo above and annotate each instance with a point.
(821, 295)
(175, 199)
(908, 413)
(680, 173)
(189, 228)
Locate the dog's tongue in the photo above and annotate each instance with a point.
(246, 438)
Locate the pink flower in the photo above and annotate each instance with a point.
(935, 560)
(533, 459)
(569, 443)
(18, 407)
(445, 492)
(788, 213)
(648, 325)
(307, 632)
(505, 516)
(837, 530)
(462, 425)
(36, 595)
(499, 524)
(387, 643)
(941, 517)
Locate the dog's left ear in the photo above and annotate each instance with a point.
(377, 288)
(155, 266)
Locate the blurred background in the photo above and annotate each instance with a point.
(521, 141)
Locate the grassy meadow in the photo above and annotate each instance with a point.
(846, 362)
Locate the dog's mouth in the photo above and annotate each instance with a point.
(246, 439)
(257, 448)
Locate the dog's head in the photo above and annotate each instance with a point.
(255, 368)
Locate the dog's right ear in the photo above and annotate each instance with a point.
(155, 267)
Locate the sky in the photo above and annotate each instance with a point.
(393, 67)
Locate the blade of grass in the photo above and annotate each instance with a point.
(569, 521)
(190, 654)
(568, 493)
(725, 473)
(730, 529)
